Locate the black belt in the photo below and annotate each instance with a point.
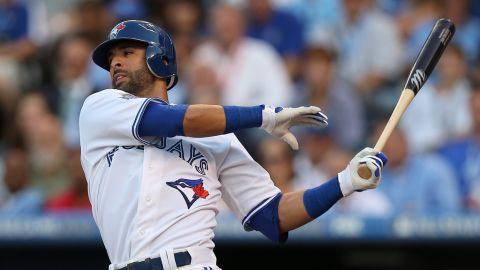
(181, 259)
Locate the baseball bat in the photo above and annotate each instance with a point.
(436, 42)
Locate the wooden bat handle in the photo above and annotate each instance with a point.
(405, 98)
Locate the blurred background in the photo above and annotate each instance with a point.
(349, 57)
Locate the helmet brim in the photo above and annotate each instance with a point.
(100, 54)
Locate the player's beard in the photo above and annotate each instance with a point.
(138, 81)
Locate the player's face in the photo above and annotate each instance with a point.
(128, 68)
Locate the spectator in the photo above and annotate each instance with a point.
(280, 29)
(370, 42)
(76, 196)
(72, 85)
(92, 18)
(232, 69)
(393, 7)
(416, 23)
(312, 162)
(16, 47)
(246, 71)
(128, 9)
(277, 158)
(442, 105)
(23, 198)
(467, 28)
(320, 86)
(417, 184)
(464, 156)
(42, 135)
(316, 14)
(30, 108)
(184, 20)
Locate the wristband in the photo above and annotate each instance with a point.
(239, 117)
(318, 200)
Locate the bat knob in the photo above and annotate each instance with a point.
(364, 172)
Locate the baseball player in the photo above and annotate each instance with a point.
(156, 170)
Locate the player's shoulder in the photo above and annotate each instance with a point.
(111, 93)
(102, 100)
(106, 96)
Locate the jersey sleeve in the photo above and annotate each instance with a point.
(108, 119)
(246, 186)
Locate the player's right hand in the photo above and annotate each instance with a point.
(349, 179)
(278, 121)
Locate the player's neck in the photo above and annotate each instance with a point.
(157, 90)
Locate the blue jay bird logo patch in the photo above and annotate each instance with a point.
(118, 28)
(185, 186)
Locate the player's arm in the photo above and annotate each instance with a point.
(165, 120)
(291, 210)
(298, 208)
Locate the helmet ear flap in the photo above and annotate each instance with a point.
(154, 59)
(161, 65)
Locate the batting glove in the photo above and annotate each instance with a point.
(349, 179)
(278, 121)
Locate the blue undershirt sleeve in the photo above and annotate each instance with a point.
(162, 120)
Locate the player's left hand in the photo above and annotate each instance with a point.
(278, 121)
(349, 179)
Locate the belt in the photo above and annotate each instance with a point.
(181, 259)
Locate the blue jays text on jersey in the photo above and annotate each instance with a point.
(187, 153)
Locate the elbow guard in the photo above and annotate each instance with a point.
(266, 220)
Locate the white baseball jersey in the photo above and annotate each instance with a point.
(153, 193)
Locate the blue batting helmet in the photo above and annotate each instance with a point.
(160, 54)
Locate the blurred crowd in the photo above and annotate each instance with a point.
(349, 57)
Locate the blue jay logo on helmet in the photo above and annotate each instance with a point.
(116, 29)
(160, 51)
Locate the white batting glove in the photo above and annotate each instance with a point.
(278, 121)
(349, 179)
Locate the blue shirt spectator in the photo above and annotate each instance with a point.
(320, 86)
(128, 9)
(467, 33)
(13, 21)
(281, 29)
(424, 185)
(278, 28)
(312, 14)
(25, 202)
(464, 156)
(468, 37)
(369, 42)
(416, 185)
